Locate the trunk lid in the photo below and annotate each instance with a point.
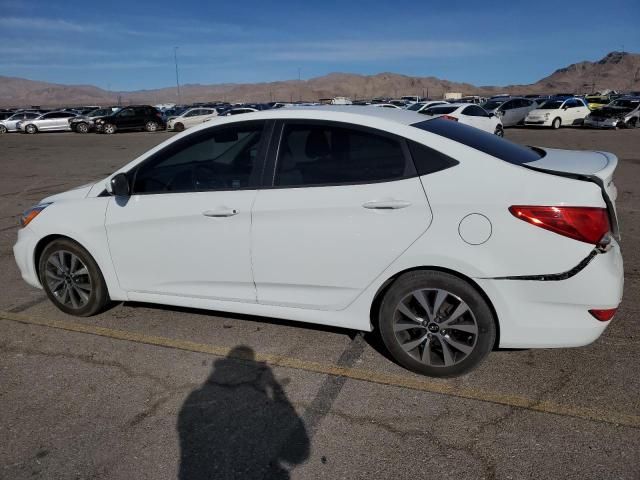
(596, 167)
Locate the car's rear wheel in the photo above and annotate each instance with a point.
(151, 126)
(31, 129)
(621, 125)
(109, 128)
(3, 129)
(556, 123)
(499, 131)
(178, 127)
(82, 127)
(436, 324)
(72, 279)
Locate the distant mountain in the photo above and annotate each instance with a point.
(616, 71)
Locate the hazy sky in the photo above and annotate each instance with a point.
(127, 45)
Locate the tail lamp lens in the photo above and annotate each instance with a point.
(603, 315)
(586, 224)
(449, 117)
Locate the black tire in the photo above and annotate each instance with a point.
(109, 128)
(3, 129)
(98, 297)
(31, 129)
(621, 125)
(82, 127)
(499, 131)
(178, 127)
(557, 123)
(151, 126)
(479, 344)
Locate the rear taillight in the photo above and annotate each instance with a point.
(603, 315)
(449, 117)
(586, 224)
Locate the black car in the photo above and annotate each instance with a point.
(134, 117)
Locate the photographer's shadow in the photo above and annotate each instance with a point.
(240, 424)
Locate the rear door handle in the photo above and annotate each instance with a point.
(386, 204)
(221, 212)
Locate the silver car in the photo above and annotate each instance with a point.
(512, 110)
(47, 122)
(11, 124)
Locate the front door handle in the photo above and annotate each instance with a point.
(221, 212)
(386, 204)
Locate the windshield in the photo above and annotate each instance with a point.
(416, 107)
(439, 110)
(551, 105)
(481, 140)
(600, 100)
(625, 103)
(492, 104)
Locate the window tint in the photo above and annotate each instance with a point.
(439, 110)
(509, 105)
(325, 154)
(480, 140)
(220, 158)
(428, 160)
(475, 111)
(126, 112)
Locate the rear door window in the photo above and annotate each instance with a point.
(325, 153)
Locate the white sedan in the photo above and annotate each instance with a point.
(556, 113)
(468, 114)
(47, 122)
(438, 235)
(11, 124)
(191, 117)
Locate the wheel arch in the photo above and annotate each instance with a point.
(377, 299)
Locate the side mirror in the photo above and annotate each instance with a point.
(491, 114)
(565, 107)
(120, 185)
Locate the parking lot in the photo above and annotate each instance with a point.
(118, 395)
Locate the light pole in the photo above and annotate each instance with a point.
(175, 59)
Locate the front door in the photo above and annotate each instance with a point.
(185, 230)
(346, 202)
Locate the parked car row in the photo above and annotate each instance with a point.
(492, 116)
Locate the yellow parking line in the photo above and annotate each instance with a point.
(414, 383)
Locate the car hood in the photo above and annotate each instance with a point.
(613, 112)
(73, 194)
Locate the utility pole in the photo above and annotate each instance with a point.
(175, 59)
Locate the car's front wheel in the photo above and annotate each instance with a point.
(436, 324)
(31, 129)
(3, 129)
(109, 128)
(556, 123)
(72, 279)
(499, 131)
(151, 126)
(82, 127)
(178, 127)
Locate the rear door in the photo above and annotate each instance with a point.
(126, 119)
(345, 202)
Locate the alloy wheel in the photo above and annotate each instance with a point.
(68, 279)
(435, 327)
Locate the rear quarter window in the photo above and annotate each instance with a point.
(485, 142)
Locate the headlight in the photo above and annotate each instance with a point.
(100, 120)
(546, 115)
(31, 213)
